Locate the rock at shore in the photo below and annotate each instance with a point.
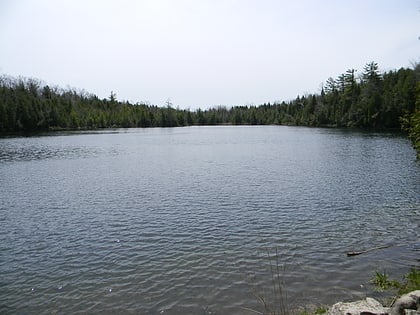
(367, 306)
(408, 304)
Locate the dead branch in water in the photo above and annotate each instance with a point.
(367, 250)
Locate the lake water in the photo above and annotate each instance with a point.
(184, 220)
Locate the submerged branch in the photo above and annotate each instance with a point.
(367, 250)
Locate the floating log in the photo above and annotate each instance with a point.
(367, 250)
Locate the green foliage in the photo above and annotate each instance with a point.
(411, 282)
(318, 311)
(382, 282)
(411, 123)
(321, 310)
(26, 105)
(375, 100)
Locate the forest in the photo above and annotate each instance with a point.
(372, 99)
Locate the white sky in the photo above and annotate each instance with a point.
(201, 53)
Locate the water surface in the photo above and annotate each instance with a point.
(182, 220)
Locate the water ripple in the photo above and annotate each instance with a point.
(188, 220)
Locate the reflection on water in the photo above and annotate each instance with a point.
(183, 220)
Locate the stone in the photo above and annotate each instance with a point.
(367, 306)
(407, 304)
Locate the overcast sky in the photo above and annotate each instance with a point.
(201, 53)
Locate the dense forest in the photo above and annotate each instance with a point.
(371, 99)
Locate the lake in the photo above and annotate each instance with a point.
(189, 220)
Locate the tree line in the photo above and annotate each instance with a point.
(369, 100)
(27, 105)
